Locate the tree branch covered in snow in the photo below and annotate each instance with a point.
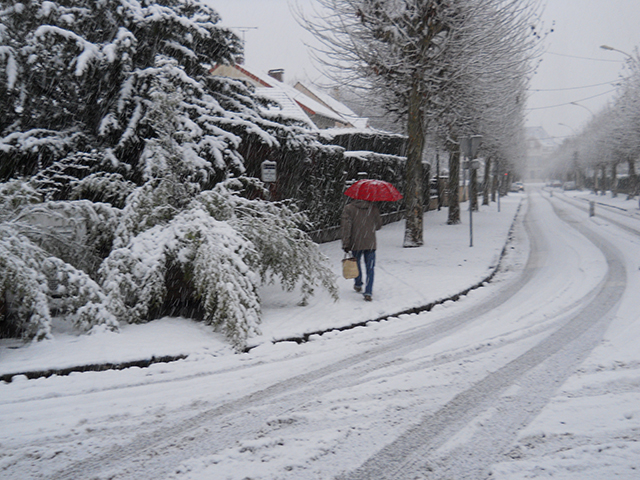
(211, 256)
(223, 245)
(33, 284)
(92, 70)
(286, 252)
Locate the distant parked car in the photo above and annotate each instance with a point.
(517, 187)
(556, 183)
(569, 186)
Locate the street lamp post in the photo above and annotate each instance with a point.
(580, 105)
(607, 47)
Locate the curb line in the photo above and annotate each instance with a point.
(97, 367)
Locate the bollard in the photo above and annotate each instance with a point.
(592, 208)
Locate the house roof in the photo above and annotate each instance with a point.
(288, 106)
(312, 107)
(294, 102)
(332, 103)
(257, 79)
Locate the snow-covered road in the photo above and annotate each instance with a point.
(513, 380)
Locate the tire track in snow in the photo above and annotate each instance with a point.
(484, 418)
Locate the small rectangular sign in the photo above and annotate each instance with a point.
(269, 171)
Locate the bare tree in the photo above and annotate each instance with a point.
(394, 48)
(483, 92)
(422, 58)
(609, 139)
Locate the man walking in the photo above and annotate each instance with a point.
(360, 220)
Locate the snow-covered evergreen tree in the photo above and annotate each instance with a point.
(112, 137)
(81, 75)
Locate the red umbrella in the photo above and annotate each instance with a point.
(373, 191)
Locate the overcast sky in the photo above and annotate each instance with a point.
(573, 58)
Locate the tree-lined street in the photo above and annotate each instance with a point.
(165, 312)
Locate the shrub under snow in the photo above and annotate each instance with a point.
(222, 245)
(286, 252)
(217, 248)
(213, 259)
(33, 284)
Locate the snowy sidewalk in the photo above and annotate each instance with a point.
(620, 202)
(405, 278)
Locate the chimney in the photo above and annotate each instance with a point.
(277, 73)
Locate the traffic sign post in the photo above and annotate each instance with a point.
(469, 146)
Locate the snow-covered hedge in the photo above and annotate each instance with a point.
(318, 185)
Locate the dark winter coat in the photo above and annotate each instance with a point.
(360, 220)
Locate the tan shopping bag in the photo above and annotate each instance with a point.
(349, 267)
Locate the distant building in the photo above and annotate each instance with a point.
(334, 105)
(540, 145)
(313, 107)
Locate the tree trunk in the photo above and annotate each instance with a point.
(413, 173)
(577, 174)
(614, 180)
(633, 180)
(486, 185)
(603, 172)
(439, 186)
(454, 184)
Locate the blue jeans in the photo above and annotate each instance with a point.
(369, 264)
